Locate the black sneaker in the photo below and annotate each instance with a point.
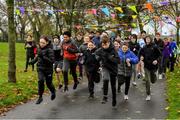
(60, 86)
(53, 96)
(40, 99)
(75, 85)
(119, 89)
(65, 88)
(114, 103)
(104, 100)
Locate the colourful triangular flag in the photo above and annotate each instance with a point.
(134, 16)
(106, 11)
(18, 12)
(133, 8)
(149, 7)
(119, 9)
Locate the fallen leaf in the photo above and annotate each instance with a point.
(167, 108)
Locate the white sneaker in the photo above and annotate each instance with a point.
(134, 83)
(160, 76)
(148, 98)
(143, 75)
(126, 97)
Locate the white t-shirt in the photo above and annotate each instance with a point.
(141, 42)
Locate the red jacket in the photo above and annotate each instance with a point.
(69, 50)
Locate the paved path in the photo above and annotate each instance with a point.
(76, 105)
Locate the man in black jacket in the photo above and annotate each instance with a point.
(109, 59)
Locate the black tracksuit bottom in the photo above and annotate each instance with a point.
(124, 79)
(28, 58)
(113, 87)
(45, 76)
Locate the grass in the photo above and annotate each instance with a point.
(173, 94)
(26, 86)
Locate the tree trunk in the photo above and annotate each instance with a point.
(155, 27)
(140, 23)
(22, 33)
(11, 40)
(71, 16)
(177, 32)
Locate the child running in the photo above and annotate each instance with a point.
(69, 59)
(127, 59)
(58, 64)
(45, 60)
(109, 60)
(91, 66)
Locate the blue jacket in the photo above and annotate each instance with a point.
(123, 69)
(172, 47)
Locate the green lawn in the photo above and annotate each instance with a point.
(173, 94)
(26, 86)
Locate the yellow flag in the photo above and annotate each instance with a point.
(133, 8)
(134, 16)
(133, 25)
(119, 9)
(18, 12)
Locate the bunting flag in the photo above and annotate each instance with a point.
(134, 25)
(50, 12)
(94, 11)
(18, 12)
(133, 8)
(113, 16)
(89, 11)
(149, 7)
(134, 16)
(119, 9)
(178, 19)
(121, 15)
(165, 3)
(105, 10)
(22, 10)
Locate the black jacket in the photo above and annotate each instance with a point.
(44, 59)
(134, 47)
(159, 43)
(108, 58)
(29, 46)
(150, 53)
(90, 61)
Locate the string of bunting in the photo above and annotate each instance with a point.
(105, 10)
